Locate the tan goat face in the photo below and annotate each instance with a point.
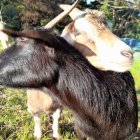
(108, 51)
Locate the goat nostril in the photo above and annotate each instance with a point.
(128, 54)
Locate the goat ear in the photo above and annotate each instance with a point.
(40, 34)
(74, 13)
(36, 34)
(82, 44)
(11, 32)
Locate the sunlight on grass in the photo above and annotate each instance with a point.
(136, 74)
(17, 124)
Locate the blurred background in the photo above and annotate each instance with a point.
(122, 16)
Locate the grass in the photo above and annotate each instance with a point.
(17, 124)
(136, 73)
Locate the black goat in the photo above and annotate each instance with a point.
(103, 103)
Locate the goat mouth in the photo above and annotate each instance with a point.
(117, 66)
(126, 65)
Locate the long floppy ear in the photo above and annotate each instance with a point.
(74, 13)
(35, 34)
(39, 34)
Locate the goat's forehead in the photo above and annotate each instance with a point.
(90, 22)
(91, 18)
(95, 14)
(25, 44)
(92, 15)
(25, 40)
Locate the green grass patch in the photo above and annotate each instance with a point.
(17, 124)
(136, 74)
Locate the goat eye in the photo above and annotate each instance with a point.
(105, 22)
(23, 39)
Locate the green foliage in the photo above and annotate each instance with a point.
(124, 17)
(11, 16)
(106, 10)
(135, 33)
(24, 13)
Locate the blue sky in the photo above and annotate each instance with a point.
(88, 1)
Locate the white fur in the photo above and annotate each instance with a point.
(38, 118)
(37, 127)
(55, 125)
(108, 45)
(4, 38)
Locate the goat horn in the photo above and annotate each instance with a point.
(61, 16)
(74, 13)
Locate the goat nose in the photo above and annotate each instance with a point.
(128, 54)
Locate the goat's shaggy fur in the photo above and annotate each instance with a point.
(103, 103)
